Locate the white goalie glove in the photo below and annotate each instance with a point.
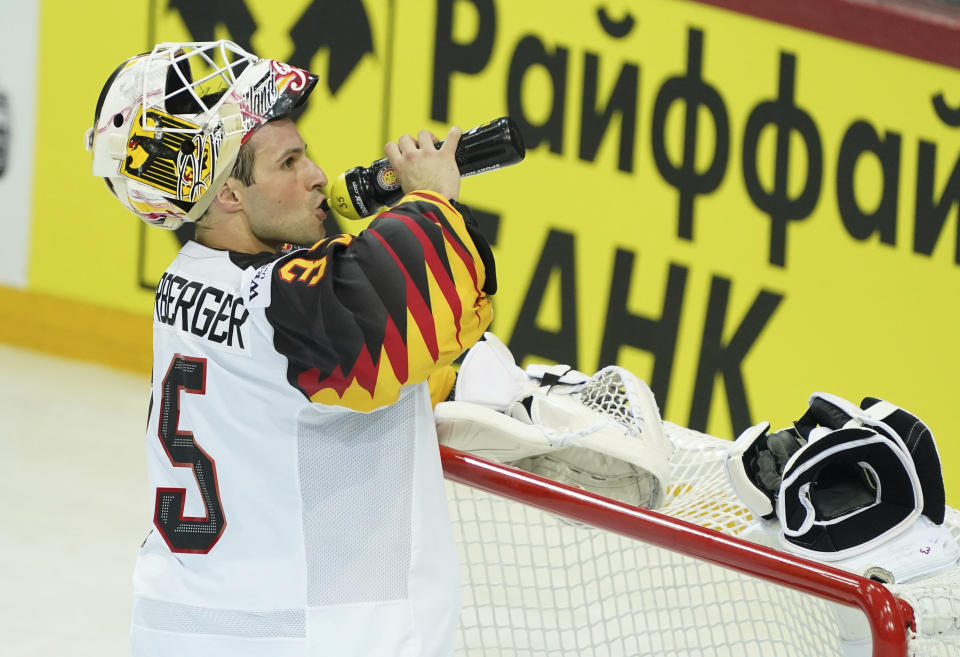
(601, 433)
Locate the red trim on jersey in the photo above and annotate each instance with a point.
(440, 274)
(454, 241)
(416, 304)
(309, 381)
(396, 350)
(464, 256)
(364, 372)
(434, 198)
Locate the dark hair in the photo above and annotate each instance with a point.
(242, 170)
(243, 167)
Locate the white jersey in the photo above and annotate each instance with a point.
(299, 500)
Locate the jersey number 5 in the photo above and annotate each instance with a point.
(186, 534)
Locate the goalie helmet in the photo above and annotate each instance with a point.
(169, 123)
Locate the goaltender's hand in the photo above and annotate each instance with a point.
(420, 165)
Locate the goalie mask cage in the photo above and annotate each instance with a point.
(552, 570)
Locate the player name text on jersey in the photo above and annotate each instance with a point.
(201, 310)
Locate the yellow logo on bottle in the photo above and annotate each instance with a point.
(387, 178)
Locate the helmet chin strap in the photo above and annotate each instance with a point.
(88, 140)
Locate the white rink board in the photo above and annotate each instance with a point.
(18, 70)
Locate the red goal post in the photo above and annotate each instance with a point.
(889, 617)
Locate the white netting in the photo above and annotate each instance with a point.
(537, 585)
(610, 392)
(936, 606)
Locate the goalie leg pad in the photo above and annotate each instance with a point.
(603, 461)
(487, 433)
(598, 473)
(601, 433)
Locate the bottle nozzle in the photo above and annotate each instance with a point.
(324, 205)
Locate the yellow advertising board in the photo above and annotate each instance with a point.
(740, 212)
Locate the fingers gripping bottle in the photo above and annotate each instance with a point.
(362, 191)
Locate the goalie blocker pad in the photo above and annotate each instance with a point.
(842, 479)
(847, 492)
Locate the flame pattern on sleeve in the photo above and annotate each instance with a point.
(358, 318)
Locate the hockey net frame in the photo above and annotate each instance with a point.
(891, 619)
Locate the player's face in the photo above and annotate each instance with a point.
(283, 203)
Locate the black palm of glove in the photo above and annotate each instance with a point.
(772, 457)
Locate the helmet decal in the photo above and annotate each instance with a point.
(175, 163)
(274, 95)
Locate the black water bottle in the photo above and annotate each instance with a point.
(361, 191)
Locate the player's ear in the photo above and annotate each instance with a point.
(227, 198)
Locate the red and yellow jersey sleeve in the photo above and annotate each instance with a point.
(360, 317)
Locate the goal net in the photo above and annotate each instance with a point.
(550, 570)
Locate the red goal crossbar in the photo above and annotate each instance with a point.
(889, 617)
